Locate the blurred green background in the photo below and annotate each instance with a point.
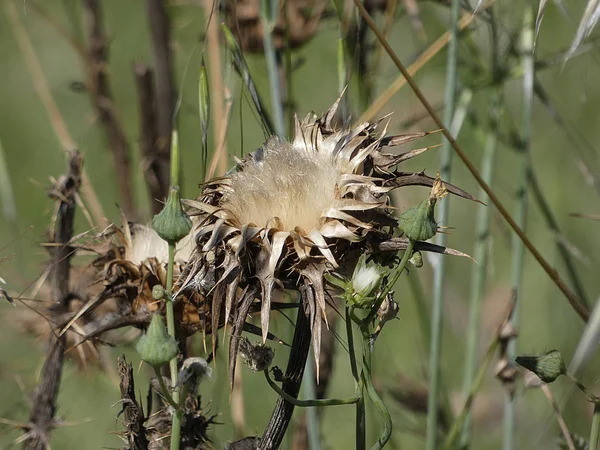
(33, 153)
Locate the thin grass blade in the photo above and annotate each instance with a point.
(586, 25)
(203, 112)
(241, 66)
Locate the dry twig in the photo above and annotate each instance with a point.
(99, 89)
(165, 92)
(155, 160)
(42, 421)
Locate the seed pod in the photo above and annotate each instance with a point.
(172, 224)
(157, 347)
(548, 366)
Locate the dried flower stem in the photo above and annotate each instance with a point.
(41, 421)
(97, 67)
(282, 413)
(160, 31)
(155, 162)
(361, 435)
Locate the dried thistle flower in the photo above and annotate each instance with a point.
(289, 213)
(193, 370)
(257, 356)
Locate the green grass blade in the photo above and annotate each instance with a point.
(522, 206)
(241, 66)
(439, 273)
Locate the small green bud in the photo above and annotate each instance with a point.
(419, 223)
(172, 224)
(158, 292)
(157, 347)
(548, 366)
(417, 259)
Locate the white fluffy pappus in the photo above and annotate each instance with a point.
(365, 280)
(147, 244)
(295, 186)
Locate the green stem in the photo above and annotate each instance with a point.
(458, 423)
(165, 389)
(268, 15)
(439, 274)
(176, 425)
(595, 433)
(173, 369)
(361, 434)
(389, 285)
(310, 403)
(521, 212)
(480, 254)
(373, 395)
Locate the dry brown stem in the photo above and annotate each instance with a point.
(42, 421)
(160, 30)
(155, 161)
(97, 65)
(133, 415)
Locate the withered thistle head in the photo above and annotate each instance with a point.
(289, 213)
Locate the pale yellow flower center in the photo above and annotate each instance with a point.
(284, 182)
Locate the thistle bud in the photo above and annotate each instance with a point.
(365, 281)
(157, 347)
(158, 292)
(548, 366)
(172, 224)
(419, 223)
(417, 259)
